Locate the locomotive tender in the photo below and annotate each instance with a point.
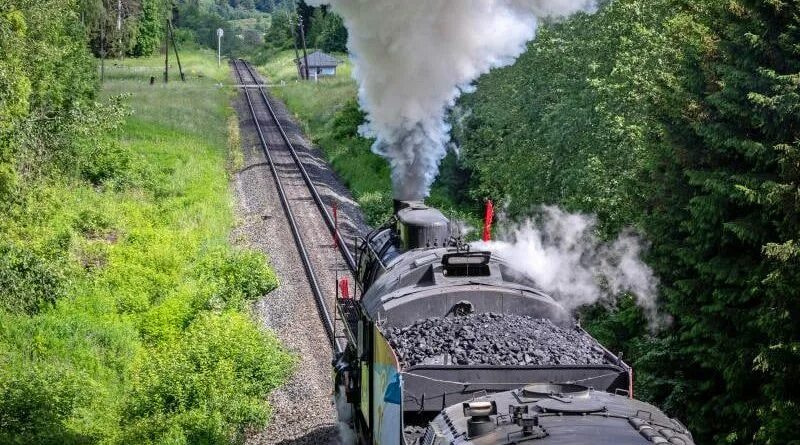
(411, 268)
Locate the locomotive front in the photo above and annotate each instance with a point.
(437, 324)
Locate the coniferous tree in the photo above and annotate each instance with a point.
(726, 223)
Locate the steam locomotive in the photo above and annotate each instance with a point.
(411, 268)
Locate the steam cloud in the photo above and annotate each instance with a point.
(564, 257)
(413, 58)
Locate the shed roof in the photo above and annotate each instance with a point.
(318, 59)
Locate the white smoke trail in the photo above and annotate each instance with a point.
(413, 58)
(561, 252)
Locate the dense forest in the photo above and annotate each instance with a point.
(681, 119)
(253, 28)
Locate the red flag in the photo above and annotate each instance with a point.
(344, 288)
(487, 221)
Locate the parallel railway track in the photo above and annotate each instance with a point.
(250, 82)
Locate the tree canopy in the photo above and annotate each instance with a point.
(680, 119)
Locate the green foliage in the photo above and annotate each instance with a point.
(569, 122)
(279, 35)
(328, 32)
(15, 88)
(204, 25)
(680, 118)
(151, 28)
(235, 278)
(727, 236)
(206, 387)
(29, 282)
(122, 316)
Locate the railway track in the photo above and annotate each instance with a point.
(297, 193)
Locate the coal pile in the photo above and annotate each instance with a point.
(492, 339)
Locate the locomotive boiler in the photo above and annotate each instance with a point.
(447, 344)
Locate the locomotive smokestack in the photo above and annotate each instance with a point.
(420, 226)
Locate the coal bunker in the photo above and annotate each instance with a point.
(492, 339)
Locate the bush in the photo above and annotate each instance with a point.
(208, 387)
(377, 207)
(346, 121)
(37, 402)
(28, 282)
(235, 277)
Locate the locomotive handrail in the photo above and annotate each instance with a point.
(465, 384)
(372, 249)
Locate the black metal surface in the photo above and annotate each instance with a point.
(422, 227)
(435, 387)
(346, 254)
(312, 278)
(586, 417)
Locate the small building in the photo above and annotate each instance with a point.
(319, 65)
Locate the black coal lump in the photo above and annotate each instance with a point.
(492, 339)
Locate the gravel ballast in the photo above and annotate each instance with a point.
(302, 411)
(492, 339)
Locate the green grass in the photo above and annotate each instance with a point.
(328, 114)
(150, 340)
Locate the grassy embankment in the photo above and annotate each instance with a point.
(149, 339)
(329, 114)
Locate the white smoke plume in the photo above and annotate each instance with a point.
(413, 58)
(561, 252)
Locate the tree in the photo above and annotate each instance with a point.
(151, 28)
(332, 35)
(726, 223)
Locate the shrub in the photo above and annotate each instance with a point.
(234, 277)
(36, 403)
(377, 207)
(28, 282)
(209, 386)
(346, 121)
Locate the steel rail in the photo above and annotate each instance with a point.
(348, 256)
(312, 277)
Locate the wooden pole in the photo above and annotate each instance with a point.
(175, 47)
(166, 55)
(305, 53)
(102, 52)
(296, 51)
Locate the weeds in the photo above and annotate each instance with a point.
(123, 311)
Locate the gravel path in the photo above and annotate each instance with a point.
(303, 411)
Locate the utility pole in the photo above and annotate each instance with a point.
(166, 54)
(175, 47)
(102, 51)
(303, 38)
(220, 32)
(296, 51)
